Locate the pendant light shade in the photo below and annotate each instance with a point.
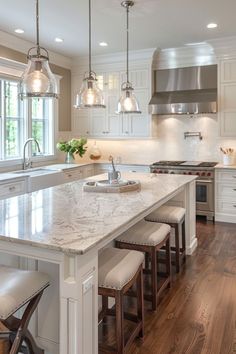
(90, 95)
(38, 79)
(128, 102)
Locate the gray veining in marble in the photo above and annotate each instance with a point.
(64, 218)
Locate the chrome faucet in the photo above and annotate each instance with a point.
(27, 164)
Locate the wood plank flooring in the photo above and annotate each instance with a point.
(198, 315)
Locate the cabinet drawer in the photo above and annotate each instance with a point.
(229, 176)
(226, 190)
(226, 207)
(72, 175)
(11, 189)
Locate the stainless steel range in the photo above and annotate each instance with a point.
(204, 171)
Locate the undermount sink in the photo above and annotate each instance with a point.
(38, 171)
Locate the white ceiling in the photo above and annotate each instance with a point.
(154, 23)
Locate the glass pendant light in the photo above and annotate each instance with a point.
(90, 96)
(37, 79)
(128, 102)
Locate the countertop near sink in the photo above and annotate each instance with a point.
(10, 176)
(66, 166)
(221, 166)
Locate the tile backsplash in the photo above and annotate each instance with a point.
(169, 143)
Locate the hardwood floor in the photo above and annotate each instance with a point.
(198, 315)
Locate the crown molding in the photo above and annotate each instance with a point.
(144, 56)
(224, 48)
(23, 46)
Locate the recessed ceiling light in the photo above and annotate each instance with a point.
(212, 25)
(103, 44)
(19, 31)
(58, 40)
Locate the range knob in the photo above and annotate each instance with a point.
(160, 171)
(203, 174)
(209, 174)
(184, 173)
(190, 173)
(198, 173)
(172, 173)
(165, 171)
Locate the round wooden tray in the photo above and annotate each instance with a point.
(92, 186)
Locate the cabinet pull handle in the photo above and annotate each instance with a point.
(234, 189)
(69, 175)
(234, 176)
(12, 188)
(234, 205)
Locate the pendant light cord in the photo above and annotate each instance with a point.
(127, 33)
(37, 27)
(90, 38)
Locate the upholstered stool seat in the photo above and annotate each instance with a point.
(17, 288)
(144, 233)
(168, 214)
(118, 267)
(118, 271)
(175, 217)
(149, 238)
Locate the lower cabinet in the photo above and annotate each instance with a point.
(13, 188)
(225, 195)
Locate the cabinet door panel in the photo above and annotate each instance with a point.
(81, 122)
(228, 71)
(138, 78)
(228, 124)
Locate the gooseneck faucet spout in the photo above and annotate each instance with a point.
(27, 164)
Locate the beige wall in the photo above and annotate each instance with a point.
(65, 86)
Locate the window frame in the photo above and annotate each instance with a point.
(11, 70)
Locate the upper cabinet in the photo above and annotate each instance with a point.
(227, 97)
(106, 123)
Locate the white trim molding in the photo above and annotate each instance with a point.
(23, 46)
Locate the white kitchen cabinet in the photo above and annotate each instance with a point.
(71, 175)
(227, 94)
(105, 123)
(225, 195)
(13, 188)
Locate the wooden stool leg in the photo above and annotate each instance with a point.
(177, 249)
(183, 242)
(146, 261)
(154, 278)
(119, 323)
(32, 346)
(168, 260)
(20, 327)
(140, 302)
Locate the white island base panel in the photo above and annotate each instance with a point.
(66, 319)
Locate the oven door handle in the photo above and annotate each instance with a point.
(204, 181)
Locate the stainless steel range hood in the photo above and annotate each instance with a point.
(191, 90)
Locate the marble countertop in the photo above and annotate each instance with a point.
(221, 166)
(8, 176)
(64, 218)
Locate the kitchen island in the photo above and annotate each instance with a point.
(60, 230)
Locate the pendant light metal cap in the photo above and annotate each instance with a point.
(38, 79)
(128, 103)
(90, 95)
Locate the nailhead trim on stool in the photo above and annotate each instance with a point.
(118, 271)
(175, 217)
(149, 238)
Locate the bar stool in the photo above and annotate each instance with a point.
(19, 288)
(175, 217)
(150, 238)
(118, 271)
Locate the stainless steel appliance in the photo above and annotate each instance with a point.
(190, 90)
(204, 183)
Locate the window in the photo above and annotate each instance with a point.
(20, 120)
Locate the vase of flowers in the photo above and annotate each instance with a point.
(71, 147)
